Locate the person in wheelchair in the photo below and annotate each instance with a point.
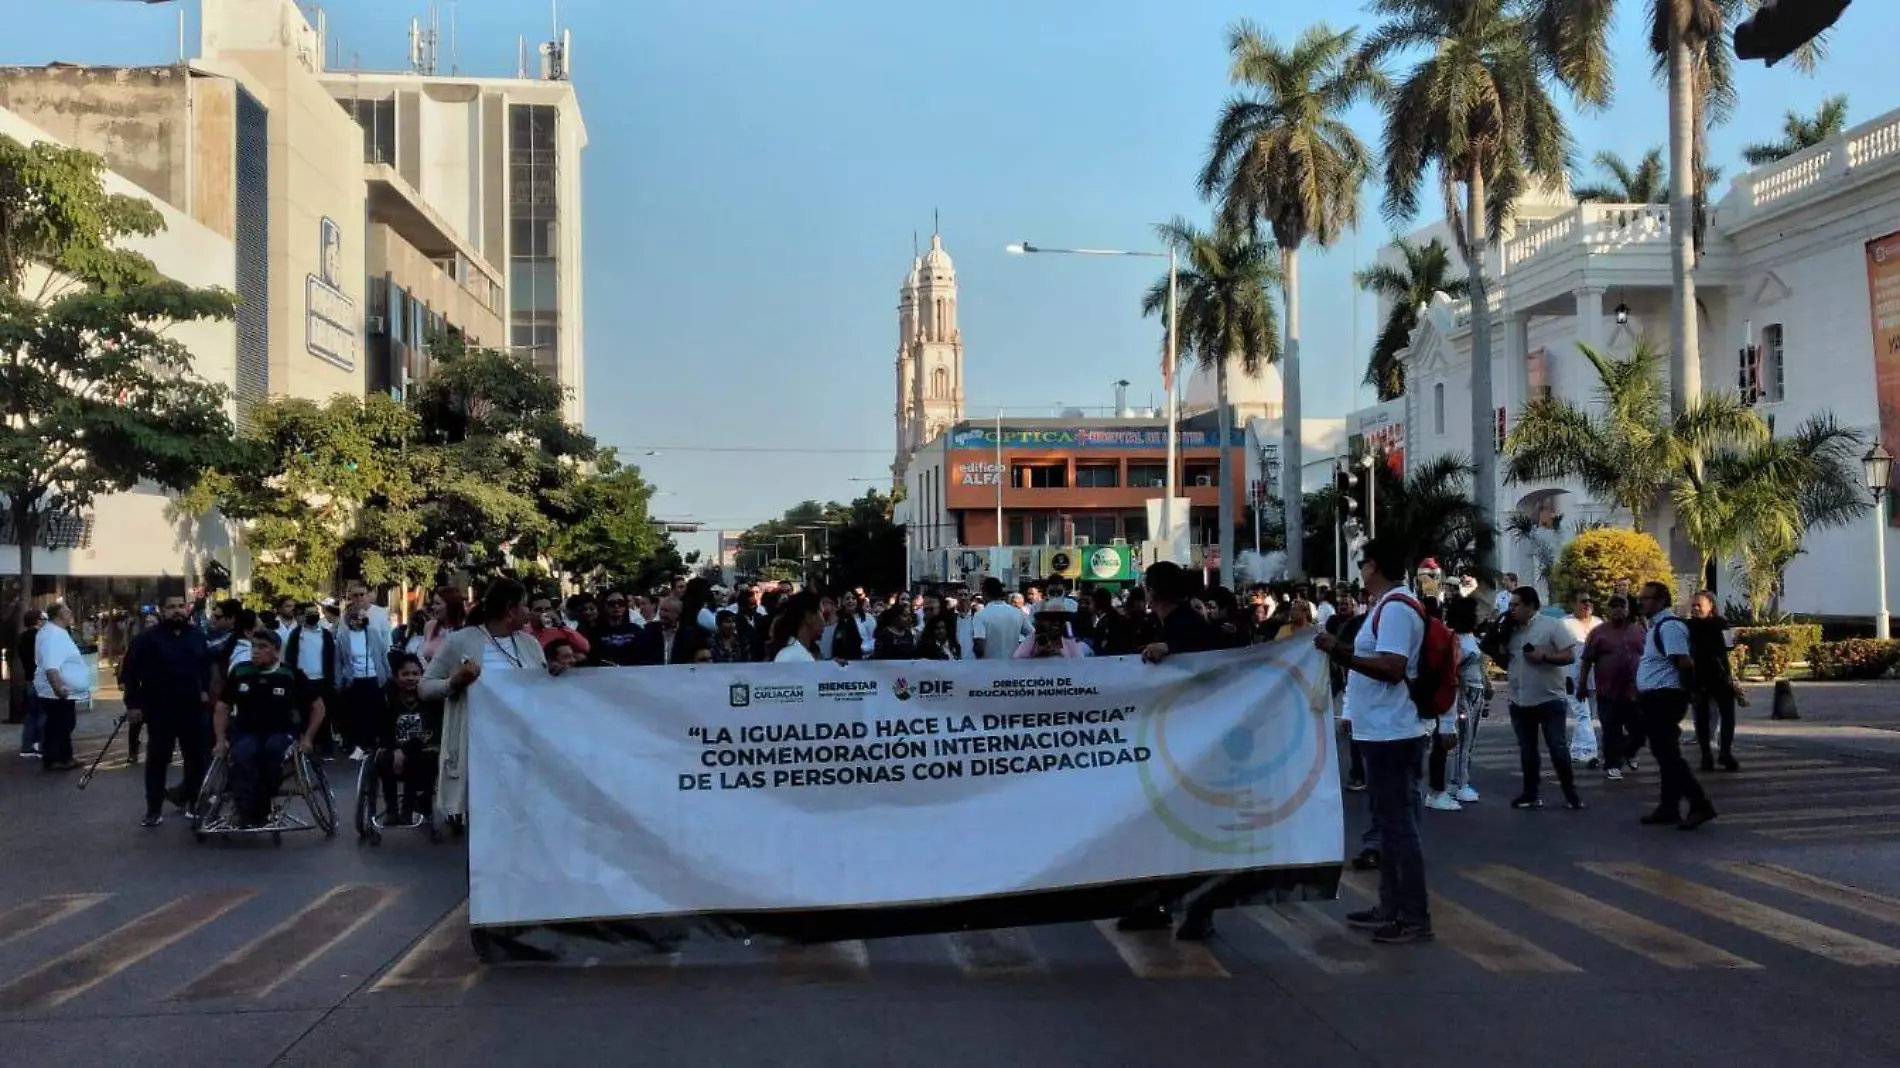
(408, 740)
(255, 724)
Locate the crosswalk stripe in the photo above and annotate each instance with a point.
(265, 963)
(1315, 937)
(1000, 954)
(1840, 895)
(1668, 948)
(37, 915)
(1797, 815)
(1822, 834)
(1771, 803)
(824, 962)
(441, 958)
(66, 977)
(1157, 955)
(1472, 936)
(1787, 928)
(1510, 762)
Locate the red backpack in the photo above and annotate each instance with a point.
(1435, 690)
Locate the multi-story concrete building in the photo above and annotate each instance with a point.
(1798, 294)
(496, 162)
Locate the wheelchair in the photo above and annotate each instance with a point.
(372, 817)
(302, 778)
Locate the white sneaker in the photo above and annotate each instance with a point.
(358, 755)
(1442, 803)
(1468, 794)
(1630, 764)
(1615, 774)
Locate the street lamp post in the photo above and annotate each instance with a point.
(1174, 411)
(1878, 466)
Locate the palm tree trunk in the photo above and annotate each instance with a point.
(1484, 455)
(1291, 453)
(1685, 350)
(1226, 422)
(1685, 364)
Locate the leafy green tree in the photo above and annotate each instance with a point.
(1626, 449)
(1427, 272)
(98, 397)
(1431, 512)
(1284, 158)
(503, 467)
(298, 481)
(1226, 320)
(615, 536)
(1799, 132)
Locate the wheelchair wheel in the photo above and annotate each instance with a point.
(210, 804)
(317, 793)
(366, 802)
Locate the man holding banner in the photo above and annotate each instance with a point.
(1386, 725)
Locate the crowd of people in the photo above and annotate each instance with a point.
(353, 681)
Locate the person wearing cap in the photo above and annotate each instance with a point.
(1050, 636)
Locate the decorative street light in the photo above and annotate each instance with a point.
(1878, 464)
(1022, 248)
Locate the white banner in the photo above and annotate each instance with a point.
(741, 790)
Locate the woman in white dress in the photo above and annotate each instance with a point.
(495, 642)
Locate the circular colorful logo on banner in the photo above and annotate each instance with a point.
(1262, 771)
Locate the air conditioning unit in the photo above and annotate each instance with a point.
(1118, 541)
(1203, 480)
(377, 325)
(1081, 540)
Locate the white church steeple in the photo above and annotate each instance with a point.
(930, 354)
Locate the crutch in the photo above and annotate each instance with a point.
(116, 726)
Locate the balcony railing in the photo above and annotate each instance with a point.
(1597, 227)
(1833, 161)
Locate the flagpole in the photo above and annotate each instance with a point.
(1174, 417)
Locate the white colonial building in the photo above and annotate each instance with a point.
(1798, 293)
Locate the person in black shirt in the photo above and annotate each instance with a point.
(616, 641)
(24, 657)
(1181, 630)
(408, 740)
(255, 723)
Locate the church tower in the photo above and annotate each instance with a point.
(930, 354)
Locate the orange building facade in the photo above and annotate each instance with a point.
(1063, 482)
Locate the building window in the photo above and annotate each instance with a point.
(1201, 474)
(1039, 476)
(1097, 476)
(534, 302)
(1204, 527)
(1771, 364)
(1147, 476)
(1135, 528)
(1036, 529)
(378, 120)
(1438, 408)
(1537, 365)
(1098, 529)
(940, 383)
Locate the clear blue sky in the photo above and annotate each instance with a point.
(757, 169)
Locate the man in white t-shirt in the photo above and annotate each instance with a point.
(1382, 658)
(1542, 652)
(61, 680)
(1000, 627)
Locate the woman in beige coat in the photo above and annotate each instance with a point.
(496, 642)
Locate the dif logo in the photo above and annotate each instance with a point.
(903, 690)
(739, 695)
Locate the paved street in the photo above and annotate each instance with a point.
(1770, 937)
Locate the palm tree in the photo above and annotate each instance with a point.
(1430, 511)
(1632, 452)
(1799, 131)
(1645, 183)
(1226, 321)
(1759, 503)
(1283, 156)
(1427, 271)
(1475, 107)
